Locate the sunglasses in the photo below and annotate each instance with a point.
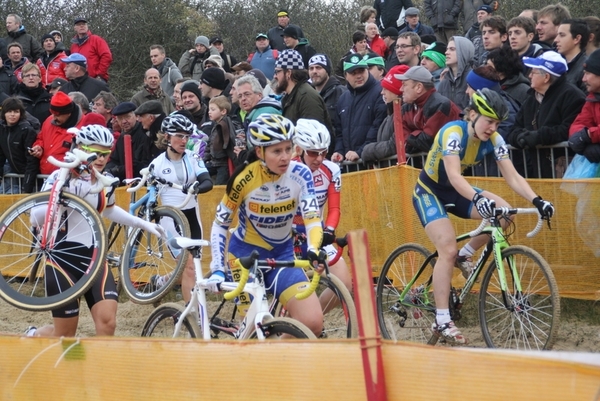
(103, 153)
(182, 137)
(316, 153)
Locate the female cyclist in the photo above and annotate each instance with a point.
(312, 142)
(179, 166)
(265, 193)
(457, 145)
(102, 297)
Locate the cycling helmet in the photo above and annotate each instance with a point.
(175, 123)
(94, 135)
(311, 135)
(270, 129)
(490, 104)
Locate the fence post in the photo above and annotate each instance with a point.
(399, 131)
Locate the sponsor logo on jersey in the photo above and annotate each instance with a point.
(166, 171)
(272, 209)
(237, 188)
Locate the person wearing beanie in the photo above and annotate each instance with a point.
(53, 139)
(191, 62)
(292, 40)
(50, 63)
(191, 96)
(213, 61)
(93, 47)
(385, 146)
(213, 83)
(76, 72)
(474, 32)
(275, 34)
(584, 133)
(58, 38)
(264, 57)
(152, 91)
(434, 59)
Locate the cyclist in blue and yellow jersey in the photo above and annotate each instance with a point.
(457, 145)
(264, 193)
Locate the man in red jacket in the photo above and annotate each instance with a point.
(94, 48)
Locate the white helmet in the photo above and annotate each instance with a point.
(94, 134)
(311, 135)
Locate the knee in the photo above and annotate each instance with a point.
(106, 326)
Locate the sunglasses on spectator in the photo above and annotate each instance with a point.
(316, 153)
(103, 153)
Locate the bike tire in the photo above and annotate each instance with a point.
(276, 327)
(22, 281)
(533, 321)
(145, 256)
(162, 321)
(116, 237)
(396, 320)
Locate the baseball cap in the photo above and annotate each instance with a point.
(75, 58)
(215, 39)
(80, 19)
(550, 61)
(57, 83)
(353, 62)
(282, 13)
(261, 35)
(416, 73)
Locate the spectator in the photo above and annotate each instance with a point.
(293, 41)
(177, 94)
(220, 151)
(30, 48)
(54, 139)
(192, 102)
(191, 61)
(424, 111)
(93, 48)
(58, 39)
(32, 93)
(453, 80)
(360, 47)
(521, 32)
(16, 59)
(92, 118)
(153, 91)
(474, 32)
(228, 60)
(275, 34)
(584, 133)
(16, 137)
(385, 146)
(169, 72)
(593, 23)
(50, 63)
(212, 84)
(443, 17)
(8, 81)
(103, 104)
(571, 42)
(366, 14)
(434, 59)
(470, 11)
(76, 72)
(548, 21)
(150, 115)
(413, 23)
(494, 35)
(376, 65)
(140, 143)
(408, 49)
(509, 67)
(390, 14)
(375, 42)
(264, 57)
(252, 100)
(360, 110)
(80, 100)
(530, 13)
(389, 36)
(241, 68)
(547, 114)
(56, 84)
(213, 61)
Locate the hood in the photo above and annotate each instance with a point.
(464, 54)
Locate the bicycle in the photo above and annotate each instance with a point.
(173, 320)
(519, 304)
(33, 232)
(143, 256)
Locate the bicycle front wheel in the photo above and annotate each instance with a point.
(526, 319)
(411, 318)
(275, 328)
(162, 321)
(146, 258)
(116, 237)
(28, 264)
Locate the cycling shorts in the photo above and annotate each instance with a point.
(432, 205)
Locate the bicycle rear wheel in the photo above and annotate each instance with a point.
(26, 264)
(409, 319)
(520, 320)
(116, 236)
(162, 321)
(146, 256)
(274, 328)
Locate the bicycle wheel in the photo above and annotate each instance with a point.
(116, 236)
(520, 320)
(339, 312)
(162, 321)
(26, 263)
(409, 319)
(146, 256)
(274, 328)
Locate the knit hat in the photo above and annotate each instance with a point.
(436, 52)
(61, 103)
(353, 62)
(214, 59)
(486, 8)
(390, 82)
(592, 64)
(47, 36)
(550, 61)
(93, 119)
(202, 40)
(215, 78)
(322, 60)
(55, 32)
(477, 82)
(290, 59)
(192, 87)
(258, 74)
(291, 32)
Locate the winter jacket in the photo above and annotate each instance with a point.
(575, 72)
(266, 105)
(275, 36)
(517, 87)
(584, 133)
(191, 64)
(305, 102)
(378, 46)
(14, 142)
(221, 143)
(264, 61)
(331, 93)
(385, 146)
(451, 86)
(85, 84)
(169, 74)
(36, 101)
(31, 46)
(8, 81)
(55, 140)
(17, 70)
(228, 61)
(390, 11)
(474, 35)
(469, 10)
(361, 111)
(443, 13)
(96, 51)
(140, 147)
(51, 66)
(306, 51)
(420, 30)
(145, 95)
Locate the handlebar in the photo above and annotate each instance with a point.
(73, 159)
(147, 175)
(505, 211)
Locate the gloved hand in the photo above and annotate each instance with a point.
(154, 229)
(214, 281)
(528, 139)
(545, 208)
(592, 152)
(485, 207)
(328, 236)
(580, 140)
(317, 259)
(194, 186)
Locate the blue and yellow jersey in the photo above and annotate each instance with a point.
(453, 139)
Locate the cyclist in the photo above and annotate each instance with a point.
(179, 166)
(264, 193)
(312, 143)
(102, 297)
(457, 145)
